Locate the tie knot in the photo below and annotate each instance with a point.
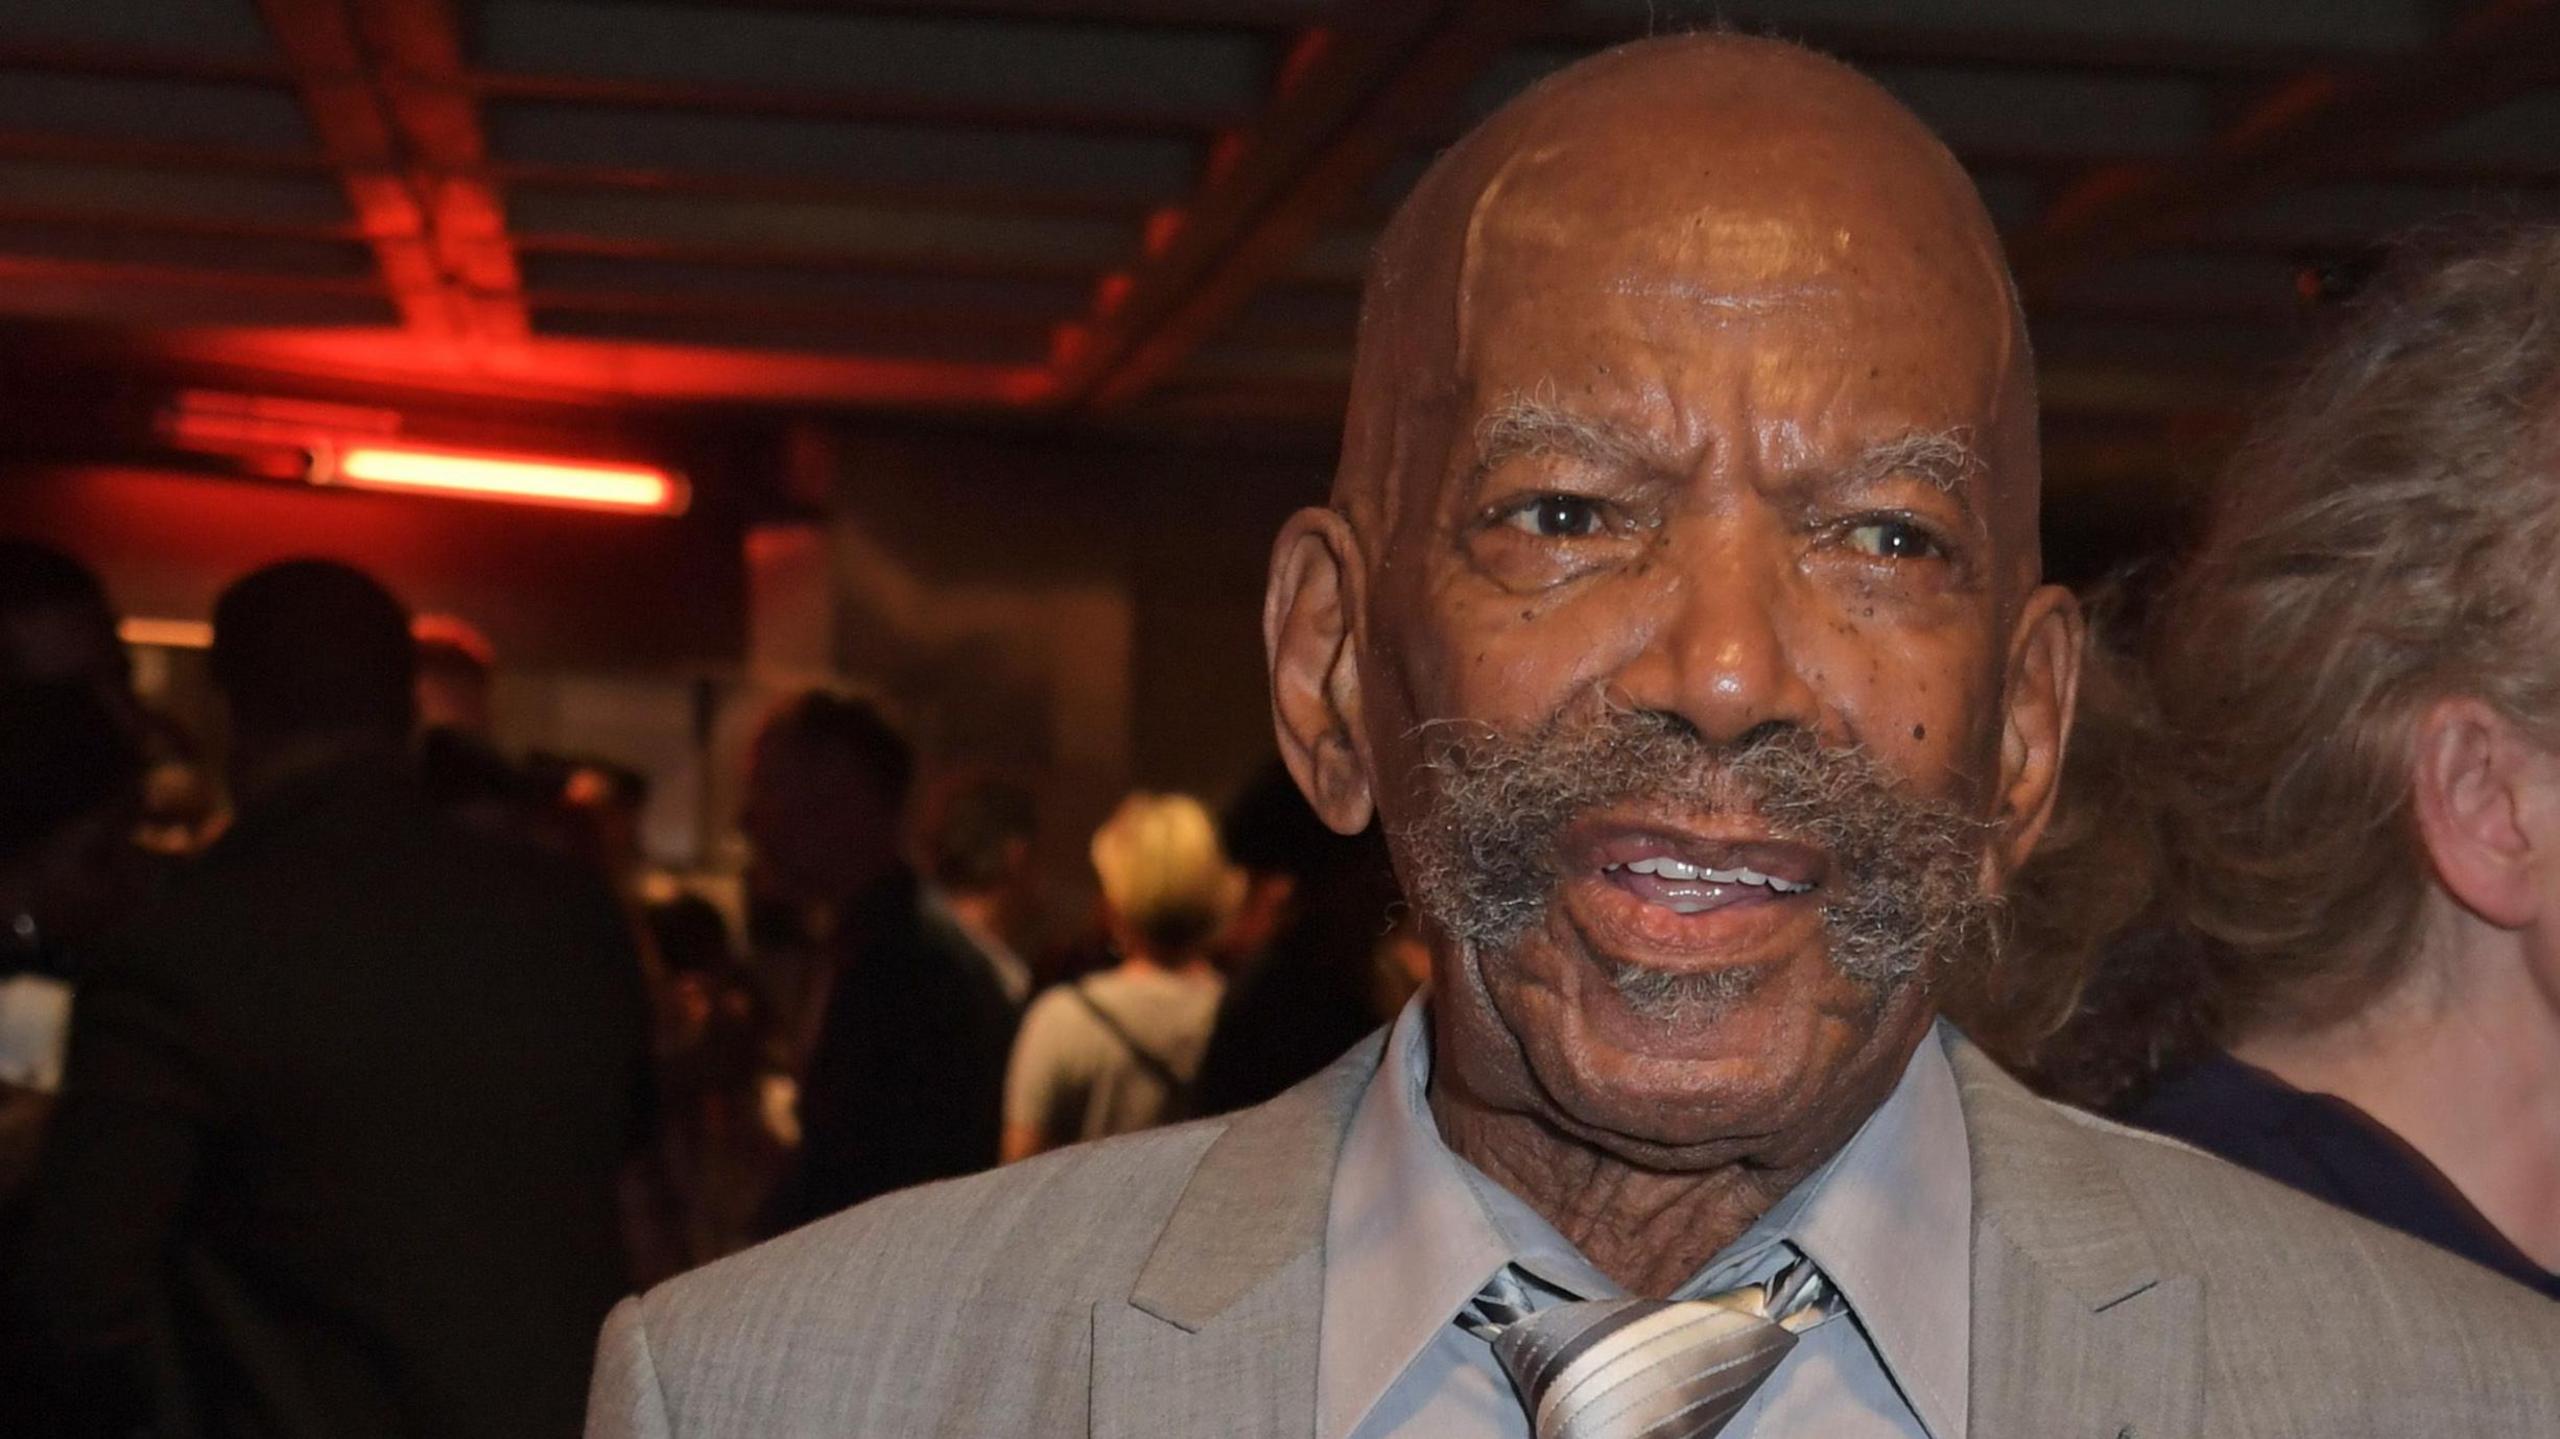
(1647, 1368)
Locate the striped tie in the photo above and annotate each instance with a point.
(1646, 1368)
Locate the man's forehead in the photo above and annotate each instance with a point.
(1717, 248)
(1744, 331)
(1687, 242)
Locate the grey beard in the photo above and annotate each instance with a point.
(1904, 898)
(1666, 995)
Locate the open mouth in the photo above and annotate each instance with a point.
(1685, 888)
(1691, 874)
(1684, 896)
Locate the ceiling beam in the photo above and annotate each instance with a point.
(138, 154)
(642, 248)
(877, 321)
(1278, 16)
(1347, 102)
(585, 371)
(379, 80)
(226, 228)
(417, 49)
(617, 92)
(159, 275)
(1898, 43)
(1062, 198)
(2321, 120)
(127, 63)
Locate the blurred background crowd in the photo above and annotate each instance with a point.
(375, 1011)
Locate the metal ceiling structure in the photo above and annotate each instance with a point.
(1142, 211)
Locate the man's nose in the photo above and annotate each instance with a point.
(1724, 654)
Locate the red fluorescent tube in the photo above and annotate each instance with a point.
(628, 489)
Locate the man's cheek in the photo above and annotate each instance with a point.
(1915, 721)
(1526, 671)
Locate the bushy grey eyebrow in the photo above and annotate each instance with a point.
(1527, 425)
(1944, 460)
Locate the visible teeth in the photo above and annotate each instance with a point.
(1664, 867)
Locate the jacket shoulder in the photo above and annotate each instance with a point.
(915, 1311)
(2308, 1296)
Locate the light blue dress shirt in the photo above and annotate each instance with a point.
(1414, 1231)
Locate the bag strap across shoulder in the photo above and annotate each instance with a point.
(1156, 1066)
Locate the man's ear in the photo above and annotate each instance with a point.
(1310, 622)
(2043, 691)
(2480, 792)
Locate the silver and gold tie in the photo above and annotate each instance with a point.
(1646, 1368)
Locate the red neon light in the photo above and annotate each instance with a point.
(627, 488)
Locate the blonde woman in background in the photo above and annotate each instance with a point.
(1118, 1051)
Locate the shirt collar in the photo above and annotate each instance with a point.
(1011, 972)
(1414, 1231)
(1892, 1228)
(1407, 1240)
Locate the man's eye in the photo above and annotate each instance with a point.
(1895, 540)
(1559, 517)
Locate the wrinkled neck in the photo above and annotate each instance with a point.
(1647, 1230)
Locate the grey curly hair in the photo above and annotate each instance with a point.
(2388, 536)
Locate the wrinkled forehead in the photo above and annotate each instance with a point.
(1607, 237)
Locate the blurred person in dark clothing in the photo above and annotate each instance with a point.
(470, 781)
(56, 625)
(457, 676)
(977, 844)
(908, 1029)
(1271, 834)
(70, 733)
(598, 806)
(721, 1053)
(464, 772)
(587, 810)
(1305, 989)
(69, 796)
(338, 1138)
(180, 814)
(68, 799)
(75, 742)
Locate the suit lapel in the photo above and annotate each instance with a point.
(2078, 1330)
(1219, 1335)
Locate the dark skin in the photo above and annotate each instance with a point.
(1693, 386)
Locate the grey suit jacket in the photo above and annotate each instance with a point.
(1169, 1284)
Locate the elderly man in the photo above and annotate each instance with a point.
(1678, 615)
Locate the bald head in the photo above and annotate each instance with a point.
(1709, 181)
